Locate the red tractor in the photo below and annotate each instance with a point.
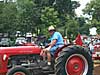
(26, 60)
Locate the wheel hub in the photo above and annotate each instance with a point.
(75, 66)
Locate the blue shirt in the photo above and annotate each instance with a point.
(58, 37)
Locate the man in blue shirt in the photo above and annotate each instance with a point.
(56, 41)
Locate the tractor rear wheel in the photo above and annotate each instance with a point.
(18, 71)
(74, 60)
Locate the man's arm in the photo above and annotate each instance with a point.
(51, 44)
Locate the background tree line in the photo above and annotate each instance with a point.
(36, 15)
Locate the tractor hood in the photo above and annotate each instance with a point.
(19, 50)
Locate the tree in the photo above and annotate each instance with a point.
(49, 17)
(26, 15)
(83, 26)
(32, 15)
(66, 6)
(8, 16)
(66, 10)
(93, 10)
(1, 16)
(72, 28)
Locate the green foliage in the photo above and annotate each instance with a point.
(8, 17)
(49, 17)
(36, 15)
(72, 28)
(83, 26)
(93, 10)
(25, 15)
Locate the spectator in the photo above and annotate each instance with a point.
(66, 41)
(91, 47)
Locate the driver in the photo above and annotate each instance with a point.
(56, 41)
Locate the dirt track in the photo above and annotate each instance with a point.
(96, 69)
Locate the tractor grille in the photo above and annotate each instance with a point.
(2, 73)
(0, 62)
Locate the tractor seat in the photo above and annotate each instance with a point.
(59, 49)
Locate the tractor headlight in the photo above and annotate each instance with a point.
(4, 57)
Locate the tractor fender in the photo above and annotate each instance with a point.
(60, 49)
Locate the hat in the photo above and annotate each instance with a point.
(65, 37)
(51, 28)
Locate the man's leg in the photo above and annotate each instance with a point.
(49, 53)
(48, 58)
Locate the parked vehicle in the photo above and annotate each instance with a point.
(20, 41)
(5, 42)
(26, 60)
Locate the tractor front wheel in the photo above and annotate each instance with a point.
(74, 60)
(18, 71)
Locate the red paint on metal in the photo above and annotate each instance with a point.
(75, 66)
